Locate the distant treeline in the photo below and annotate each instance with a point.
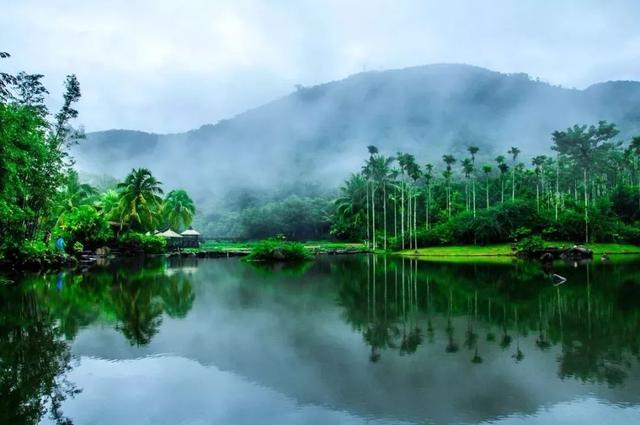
(589, 191)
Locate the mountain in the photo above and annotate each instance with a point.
(320, 133)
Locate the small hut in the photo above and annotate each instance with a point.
(174, 240)
(190, 238)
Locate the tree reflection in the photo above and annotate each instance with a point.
(34, 361)
(594, 327)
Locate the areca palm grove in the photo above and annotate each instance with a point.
(589, 191)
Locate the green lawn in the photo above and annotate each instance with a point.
(247, 245)
(503, 250)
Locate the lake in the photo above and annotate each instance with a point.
(343, 340)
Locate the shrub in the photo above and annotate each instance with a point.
(529, 245)
(139, 243)
(33, 254)
(272, 250)
(77, 247)
(84, 225)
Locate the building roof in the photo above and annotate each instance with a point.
(169, 234)
(190, 232)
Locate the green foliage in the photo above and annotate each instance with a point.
(140, 202)
(84, 225)
(277, 250)
(530, 244)
(295, 217)
(178, 210)
(77, 247)
(32, 156)
(138, 243)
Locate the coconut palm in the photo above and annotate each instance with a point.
(140, 201)
(178, 209)
(351, 204)
(108, 204)
(75, 193)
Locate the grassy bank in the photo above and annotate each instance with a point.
(247, 246)
(504, 250)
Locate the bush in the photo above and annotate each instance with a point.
(139, 243)
(84, 225)
(77, 247)
(272, 250)
(33, 254)
(529, 245)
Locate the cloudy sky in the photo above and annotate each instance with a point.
(170, 66)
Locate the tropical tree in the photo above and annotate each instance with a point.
(449, 160)
(504, 168)
(140, 201)
(587, 147)
(473, 150)
(514, 152)
(486, 169)
(538, 162)
(178, 209)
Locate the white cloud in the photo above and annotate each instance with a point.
(166, 65)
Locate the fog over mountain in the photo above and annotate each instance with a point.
(319, 134)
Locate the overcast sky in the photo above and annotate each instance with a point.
(170, 66)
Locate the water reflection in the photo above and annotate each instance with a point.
(594, 318)
(380, 338)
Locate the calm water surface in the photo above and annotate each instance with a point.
(345, 340)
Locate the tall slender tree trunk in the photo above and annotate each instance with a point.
(395, 214)
(502, 189)
(586, 209)
(537, 196)
(384, 212)
(415, 222)
(402, 211)
(557, 188)
(368, 222)
(487, 192)
(473, 189)
(513, 183)
(373, 214)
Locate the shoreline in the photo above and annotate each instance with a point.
(505, 251)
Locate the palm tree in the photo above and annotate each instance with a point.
(352, 202)
(428, 177)
(368, 172)
(381, 175)
(108, 204)
(537, 162)
(514, 152)
(473, 150)
(140, 201)
(75, 193)
(467, 169)
(178, 209)
(503, 167)
(449, 160)
(487, 170)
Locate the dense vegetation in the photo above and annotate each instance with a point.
(42, 197)
(589, 191)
